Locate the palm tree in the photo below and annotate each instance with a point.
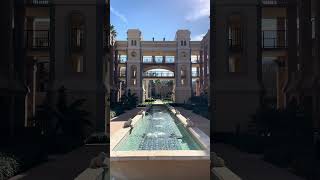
(113, 33)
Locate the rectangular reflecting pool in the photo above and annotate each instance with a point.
(160, 145)
(159, 129)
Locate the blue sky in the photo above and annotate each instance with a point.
(160, 18)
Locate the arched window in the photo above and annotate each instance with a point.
(133, 71)
(185, 43)
(235, 31)
(77, 30)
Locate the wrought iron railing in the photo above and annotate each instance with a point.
(38, 2)
(37, 39)
(274, 2)
(235, 39)
(274, 39)
(158, 74)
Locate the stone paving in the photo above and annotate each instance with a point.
(64, 167)
(247, 166)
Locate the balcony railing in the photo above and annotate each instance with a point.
(234, 39)
(274, 39)
(274, 2)
(38, 2)
(158, 74)
(37, 39)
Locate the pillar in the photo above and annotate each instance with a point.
(292, 49)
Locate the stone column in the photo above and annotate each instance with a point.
(317, 65)
(201, 70)
(292, 47)
(305, 39)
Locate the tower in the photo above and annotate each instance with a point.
(134, 71)
(183, 66)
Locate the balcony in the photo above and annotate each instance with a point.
(42, 3)
(234, 40)
(274, 2)
(37, 39)
(158, 74)
(274, 39)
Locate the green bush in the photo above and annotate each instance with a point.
(112, 114)
(149, 100)
(9, 166)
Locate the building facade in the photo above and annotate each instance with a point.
(266, 51)
(182, 61)
(52, 44)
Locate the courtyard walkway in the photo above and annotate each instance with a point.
(117, 122)
(64, 167)
(251, 166)
(247, 166)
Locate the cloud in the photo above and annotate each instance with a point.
(198, 37)
(200, 9)
(118, 14)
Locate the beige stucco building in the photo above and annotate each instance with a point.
(50, 44)
(180, 60)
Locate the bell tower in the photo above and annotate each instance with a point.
(183, 66)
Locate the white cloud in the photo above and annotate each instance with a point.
(200, 8)
(118, 14)
(198, 37)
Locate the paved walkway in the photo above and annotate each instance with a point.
(117, 122)
(251, 166)
(247, 166)
(64, 167)
(202, 123)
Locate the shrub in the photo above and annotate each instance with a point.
(112, 114)
(9, 166)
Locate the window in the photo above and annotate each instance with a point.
(77, 63)
(147, 59)
(181, 43)
(182, 81)
(77, 31)
(133, 71)
(123, 58)
(185, 43)
(234, 64)
(158, 59)
(194, 58)
(135, 42)
(43, 69)
(234, 31)
(169, 59)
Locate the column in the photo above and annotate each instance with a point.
(201, 70)
(305, 39)
(292, 48)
